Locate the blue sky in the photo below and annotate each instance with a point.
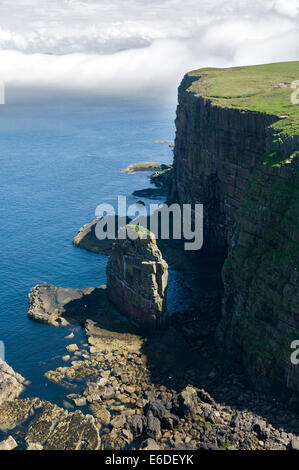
(138, 47)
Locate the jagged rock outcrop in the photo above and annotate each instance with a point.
(137, 278)
(244, 169)
(163, 179)
(11, 383)
(86, 238)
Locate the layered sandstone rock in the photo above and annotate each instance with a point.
(216, 150)
(137, 278)
(245, 172)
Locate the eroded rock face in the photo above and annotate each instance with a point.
(11, 383)
(222, 158)
(137, 278)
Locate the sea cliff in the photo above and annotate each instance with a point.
(236, 151)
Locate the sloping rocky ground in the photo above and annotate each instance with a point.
(129, 390)
(130, 406)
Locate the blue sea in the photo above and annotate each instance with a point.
(58, 162)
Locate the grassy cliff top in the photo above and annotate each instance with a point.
(262, 88)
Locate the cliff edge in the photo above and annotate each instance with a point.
(236, 151)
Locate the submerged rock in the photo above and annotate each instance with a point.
(137, 277)
(11, 383)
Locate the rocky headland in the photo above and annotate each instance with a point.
(236, 151)
(212, 376)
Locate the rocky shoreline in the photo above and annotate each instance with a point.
(130, 387)
(132, 399)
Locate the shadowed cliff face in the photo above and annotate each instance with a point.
(137, 278)
(215, 153)
(247, 178)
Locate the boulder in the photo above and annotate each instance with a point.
(101, 413)
(77, 399)
(158, 410)
(137, 424)
(118, 422)
(149, 444)
(137, 277)
(153, 427)
(8, 444)
(144, 166)
(186, 403)
(72, 348)
(205, 397)
(295, 443)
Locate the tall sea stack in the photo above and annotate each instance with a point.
(137, 277)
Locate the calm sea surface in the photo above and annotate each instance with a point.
(57, 164)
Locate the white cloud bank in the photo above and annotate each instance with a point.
(138, 47)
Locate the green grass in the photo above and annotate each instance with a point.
(262, 88)
(275, 159)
